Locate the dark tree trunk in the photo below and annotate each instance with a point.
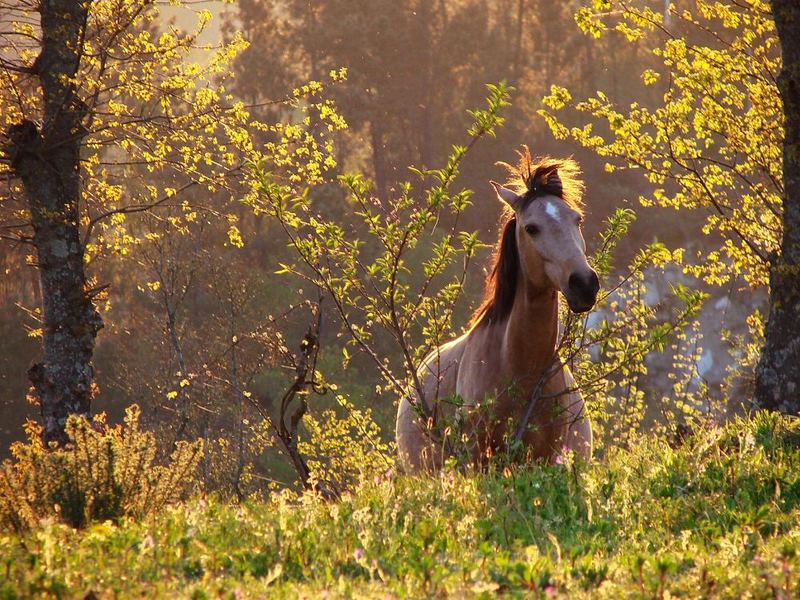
(516, 63)
(778, 372)
(424, 20)
(47, 158)
(379, 158)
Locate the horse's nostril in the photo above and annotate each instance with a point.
(574, 282)
(594, 282)
(585, 284)
(581, 292)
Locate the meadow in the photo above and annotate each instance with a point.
(712, 516)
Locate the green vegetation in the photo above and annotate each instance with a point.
(103, 473)
(716, 516)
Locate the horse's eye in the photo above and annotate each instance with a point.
(532, 229)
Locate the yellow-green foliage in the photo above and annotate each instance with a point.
(714, 142)
(230, 465)
(103, 473)
(343, 452)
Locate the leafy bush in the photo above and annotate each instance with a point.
(103, 473)
(343, 452)
(394, 267)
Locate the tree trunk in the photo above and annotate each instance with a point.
(47, 159)
(379, 157)
(424, 20)
(778, 372)
(516, 63)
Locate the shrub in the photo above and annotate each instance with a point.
(344, 451)
(102, 473)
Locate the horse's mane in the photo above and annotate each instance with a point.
(530, 178)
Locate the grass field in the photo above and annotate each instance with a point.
(716, 517)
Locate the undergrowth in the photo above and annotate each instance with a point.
(715, 517)
(103, 473)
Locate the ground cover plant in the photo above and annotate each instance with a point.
(713, 516)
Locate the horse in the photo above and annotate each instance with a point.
(509, 353)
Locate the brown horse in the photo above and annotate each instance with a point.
(509, 352)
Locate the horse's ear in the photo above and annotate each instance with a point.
(506, 195)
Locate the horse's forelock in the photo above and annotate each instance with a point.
(533, 178)
(544, 181)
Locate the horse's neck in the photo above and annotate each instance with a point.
(531, 332)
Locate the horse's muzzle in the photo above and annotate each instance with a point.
(581, 292)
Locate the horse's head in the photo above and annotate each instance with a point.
(552, 251)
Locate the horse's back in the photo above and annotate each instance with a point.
(438, 377)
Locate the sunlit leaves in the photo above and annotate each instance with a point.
(612, 350)
(715, 141)
(235, 237)
(618, 225)
(157, 112)
(399, 265)
(160, 118)
(345, 446)
(487, 120)
(649, 76)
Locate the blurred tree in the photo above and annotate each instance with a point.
(414, 68)
(778, 372)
